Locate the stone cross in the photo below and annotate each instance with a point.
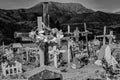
(56, 52)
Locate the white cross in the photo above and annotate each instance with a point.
(68, 31)
(56, 52)
(104, 36)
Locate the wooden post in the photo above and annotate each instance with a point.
(68, 28)
(104, 40)
(69, 54)
(3, 48)
(45, 13)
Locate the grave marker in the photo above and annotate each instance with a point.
(85, 33)
(104, 36)
(56, 52)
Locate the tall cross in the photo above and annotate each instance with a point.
(56, 52)
(104, 36)
(85, 33)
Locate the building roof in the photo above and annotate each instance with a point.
(40, 69)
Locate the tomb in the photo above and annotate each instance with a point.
(45, 73)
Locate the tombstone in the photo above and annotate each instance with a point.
(105, 52)
(109, 58)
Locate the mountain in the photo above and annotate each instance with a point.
(60, 13)
(118, 12)
(55, 9)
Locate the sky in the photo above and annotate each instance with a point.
(102, 5)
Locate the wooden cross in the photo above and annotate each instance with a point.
(56, 52)
(104, 35)
(68, 32)
(69, 44)
(85, 33)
